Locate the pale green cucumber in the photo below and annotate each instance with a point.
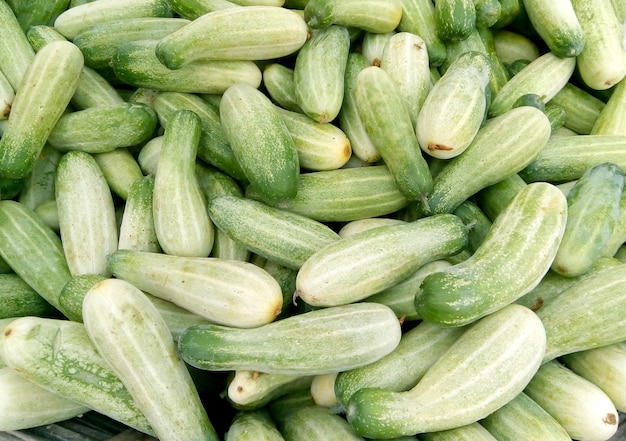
(610, 121)
(135, 63)
(320, 146)
(370, 15)
(283, 406)
(181, 222)
(261, 142)
(500, 75)
(286, 278)
(228, 292)
(602, 366)
(576, 319)
(120, 169)
(523, 418)
(137, 230)
(78, 372)
(25, 405)
(7, 94)
(566, 158)
(487, 13)
(512, 259)
(26, 239)
(388, 124)
(349, 119)
(582, 109)
(558, 25)
(250, 390)
(178, 319)
(99, 42)
(16, 53)
(361, 333)
(494, 154)
(49, 214)
(131, 335)
(246, 33)
(373, 45)
(455, 108)
(148, 156)
(581, 408)
(279, 83)
(602, 62)
(400, 370)
(512, 46)
(344, 194)
(316, 423)
(470, 432)
(276, 234)
(319, 72)
(545, 76)
(418, 17)
(18, 299)
(192, 9)
(485, 368)
(86, 214)
(405, 59)
(359, 225)
(455, 49)
(73, 293)
(331, 276)
(455, 19)
(323, 390)
(75, 19)
(618, 235)
(213, 148)
(593, 207)
(103, 129)
(252, 426)
(45, 91)
(38, 186)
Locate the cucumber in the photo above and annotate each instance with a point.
(618, 235)
(38, 186)
(7, 94)
(580, 407)
(279, 83)
(16, 53)
(136, 230)
(361, 334)
(493, 198)
(261, 142)
(576, 319)
(373, 45)
(557, 24)
(487, 13)
(18, 299)
(485, 368)
(86, 214)
(79, 372)
(323, 390)
(593, 206)
(192, 9)
(73, 20)
(135, 63)
(316, 423)
(25, 405)
(582, 109)
(460, 95)
(469, 432)
(418, 17)
(523, 417)
(252, 426)
(512, 46)
(178, 319)
(279, 235)
(400, 370)
(455, 19)
(544, 76)
(130, 334)
(602, 62)
(374, 16)
(35, 13)
(610, 119)
(181, 222)
(344, 194)
(26, 239)
(319, 73)
(46, 89)
(477, 223)
(252, 390)
(247, 33)
(388, 124)
(331, 275)
(120, 169)
(228, 292)
(73, 293)
(512, 259)
(493, 155)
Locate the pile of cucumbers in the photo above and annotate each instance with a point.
(308, 220)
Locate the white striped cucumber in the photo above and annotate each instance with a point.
(331, 275)
(455, 19)
(136, 230)
(361, 333)
(610, 121)
(485, 368)
(370, 15)
(418, 17)
(120, 169)
(16, 53)
(279, 84)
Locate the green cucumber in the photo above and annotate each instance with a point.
(485, 368)
(46, 89)
(593, 206)
(279, 235)
(181, 222)
(252, 390)
(136, 231)
(78, 372)
(469, 432)
(247, 33)
(279, 82)
(582, 109)
(580, 407)
(252, 426)
(16, 53)
(261, 142)
(374, 16)
(610, 120)
(316, 423)
(18, 299)
(512, 46)
(618, 235)
(120, 169)
(487, 13)
(477, 222)
(455, 19)
(38, 186)
(192, 9)
(418, 17)
(512, 259)
(388, 124)
(130, 334)
(73, 293)
(361, 333)
(86, 214)
(35, 12)
(319, 72)
(331, 275)
(494, 154)
(523, 417)
(228, 292)
(558, 25)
